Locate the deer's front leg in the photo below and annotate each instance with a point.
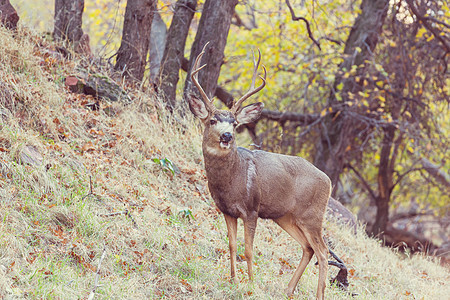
(249, 234)
(232, 232)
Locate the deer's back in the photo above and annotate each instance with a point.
(288, 184)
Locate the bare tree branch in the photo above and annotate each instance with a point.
(402, 216)
(401, 176)
(224, 96)
(427, 25)
(289, 116)
(441, 176)
(295, 18)
(437, 21)
(364, 182)
(239, 22)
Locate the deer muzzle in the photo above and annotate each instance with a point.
(225, 140)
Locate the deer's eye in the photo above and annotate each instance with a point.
(212, 122)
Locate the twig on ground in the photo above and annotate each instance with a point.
(128, 213)
(96, 285)
(91, 193)
(124, 212)
(341, 278)
(113, 214)
(336, 257)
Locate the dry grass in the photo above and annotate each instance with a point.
(53, 232)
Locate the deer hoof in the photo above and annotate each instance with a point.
(289, 292)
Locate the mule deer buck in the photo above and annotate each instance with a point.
(257, 184)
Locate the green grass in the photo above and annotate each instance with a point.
(53, 231)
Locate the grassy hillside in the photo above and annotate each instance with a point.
(95, 194)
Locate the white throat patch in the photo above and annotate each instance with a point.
(216, 151)
(251, 174)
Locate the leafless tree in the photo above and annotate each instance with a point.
(214, 26)
(174, 51)
(68, 20)
(133, 51)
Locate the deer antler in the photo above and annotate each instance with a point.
(194, 76)
(252, 90)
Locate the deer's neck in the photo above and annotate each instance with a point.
(221, 168)
(232, 182)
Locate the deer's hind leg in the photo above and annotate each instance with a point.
(288, 224)
(313, 234)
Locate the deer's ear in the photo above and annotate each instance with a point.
(198, 108)
(250, 113)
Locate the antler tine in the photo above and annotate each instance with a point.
(252, 89)
(194, 77)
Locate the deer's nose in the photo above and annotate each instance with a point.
(226, 137)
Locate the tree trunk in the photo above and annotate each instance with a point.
(8, 15)
(330, 154)
(385, 183)
(174, 51)
(158, 37)
(132, 54)
(214, 26)
(68, 20)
